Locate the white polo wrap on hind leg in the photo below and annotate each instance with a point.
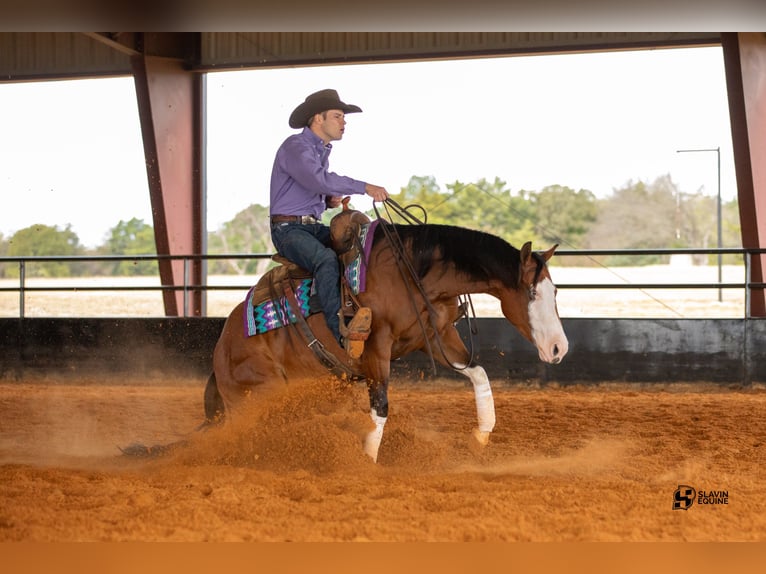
(373, 438)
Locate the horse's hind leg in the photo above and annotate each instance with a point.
(214, 407)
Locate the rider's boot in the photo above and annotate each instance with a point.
(357, 332)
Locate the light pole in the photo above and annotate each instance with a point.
(717, 150)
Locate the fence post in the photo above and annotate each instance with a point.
(186, 286)
(22, 273)
(748, 261)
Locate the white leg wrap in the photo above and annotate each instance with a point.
(373, 438)
(485, 404)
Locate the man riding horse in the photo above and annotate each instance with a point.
(302, 188)
(414, 276)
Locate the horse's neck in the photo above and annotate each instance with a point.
(444, 278)
(450, 283)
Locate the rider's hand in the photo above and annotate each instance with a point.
(332, 201)
(376, 192)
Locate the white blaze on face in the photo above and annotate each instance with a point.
(547, 332)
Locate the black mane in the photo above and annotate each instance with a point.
(478, 255)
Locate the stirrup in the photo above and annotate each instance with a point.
(357, 332)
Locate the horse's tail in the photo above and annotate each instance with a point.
(214, 414)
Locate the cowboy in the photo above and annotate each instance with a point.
(302, 188)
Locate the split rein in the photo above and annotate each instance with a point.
(406, 269)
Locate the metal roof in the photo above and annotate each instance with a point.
(28, 56)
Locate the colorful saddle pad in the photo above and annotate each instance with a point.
(273, 314)
(263, 316)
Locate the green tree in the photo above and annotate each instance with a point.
(491, 207)
(482, 205)
(699, 226)
(638, 216)
(424, 200)
(42, 240)
(563, 215)
(133, 237)
(248, 232)
(418, 188)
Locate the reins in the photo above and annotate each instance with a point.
(404, 264)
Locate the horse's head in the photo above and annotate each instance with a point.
(532, 306)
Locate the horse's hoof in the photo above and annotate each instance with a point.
(482, 437)
(137, 450)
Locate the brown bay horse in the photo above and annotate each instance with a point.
(411, 311)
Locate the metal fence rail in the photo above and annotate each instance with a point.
(23, 288)
(747, 285)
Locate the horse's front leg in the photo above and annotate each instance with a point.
(376, 364)
(485, 403)
(378, 391)
(456, 357)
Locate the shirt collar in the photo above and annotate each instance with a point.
(315, 139)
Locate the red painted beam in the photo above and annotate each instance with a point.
(745, 62)
(169, 104)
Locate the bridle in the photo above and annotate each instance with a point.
(532, 289)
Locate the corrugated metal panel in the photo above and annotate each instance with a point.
(256, 49)
(40, 55)
(43, 55)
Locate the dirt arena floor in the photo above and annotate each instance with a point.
(575, 463)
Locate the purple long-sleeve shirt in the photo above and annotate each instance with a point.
(300, 179)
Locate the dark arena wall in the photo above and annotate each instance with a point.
(727, 351)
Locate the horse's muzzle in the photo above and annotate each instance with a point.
(554, 353)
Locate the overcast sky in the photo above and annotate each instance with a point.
(593, 121)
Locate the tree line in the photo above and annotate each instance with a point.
(638, 215)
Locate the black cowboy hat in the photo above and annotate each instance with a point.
(316, 103)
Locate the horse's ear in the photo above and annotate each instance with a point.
(526, 253)
(525, 256)
(548, 254)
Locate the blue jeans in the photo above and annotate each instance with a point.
(308, 246)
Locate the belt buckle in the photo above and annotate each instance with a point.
(308, 219)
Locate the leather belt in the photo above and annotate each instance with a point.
(302, 219)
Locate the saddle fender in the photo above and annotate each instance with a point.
(345, 230)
